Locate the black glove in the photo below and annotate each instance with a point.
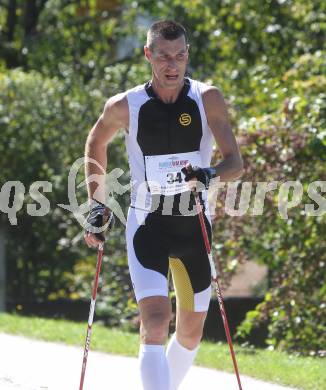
(204, 175)
(98, 217)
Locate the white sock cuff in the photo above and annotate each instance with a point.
(151, 348)
(181, 347)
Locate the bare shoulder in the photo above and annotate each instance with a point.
(213, 100)
(215, 106)
(219, 123)
(116, 110)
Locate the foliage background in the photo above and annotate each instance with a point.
(61, 59)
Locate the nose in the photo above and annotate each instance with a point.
(172, 64)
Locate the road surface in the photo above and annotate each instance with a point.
(27, 364)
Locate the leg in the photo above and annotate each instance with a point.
(155, 314)
(192, 279)
(148, 266)
(189, 328)
(184, 344)
(191, 314)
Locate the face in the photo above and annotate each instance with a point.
(169, 60)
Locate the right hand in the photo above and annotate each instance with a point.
(99, 220)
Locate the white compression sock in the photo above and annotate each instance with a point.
(154, 367)
(180, 360)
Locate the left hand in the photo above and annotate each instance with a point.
(194, 174)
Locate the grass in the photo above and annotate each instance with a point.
(301, 372)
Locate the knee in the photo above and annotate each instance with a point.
(190, 338)
(190, 327)
(154, 328)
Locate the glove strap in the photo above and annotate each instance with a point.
(211, 172)
(95, 203)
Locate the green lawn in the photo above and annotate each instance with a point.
(301, 372)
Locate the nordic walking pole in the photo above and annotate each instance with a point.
(216, 285)
(91, 314)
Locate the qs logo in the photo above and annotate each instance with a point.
(185, 119)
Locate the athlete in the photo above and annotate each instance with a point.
(170, 123)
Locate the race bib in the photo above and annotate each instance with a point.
(164, 175)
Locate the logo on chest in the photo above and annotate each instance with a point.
(185, 119)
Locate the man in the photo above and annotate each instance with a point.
(170, 122)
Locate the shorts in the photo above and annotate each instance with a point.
(157, 242)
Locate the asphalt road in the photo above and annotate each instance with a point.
(27, 364)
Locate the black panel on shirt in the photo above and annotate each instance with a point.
(159, 127)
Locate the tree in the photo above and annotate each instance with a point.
(21, 18)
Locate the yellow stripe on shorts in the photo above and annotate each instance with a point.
(182, 285)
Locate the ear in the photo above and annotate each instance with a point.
(148, 54)
(188, 47)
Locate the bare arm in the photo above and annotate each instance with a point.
(231, 167)
(114, 117)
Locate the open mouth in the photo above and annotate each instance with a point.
(171, 77)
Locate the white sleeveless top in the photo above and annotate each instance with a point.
(162, 138)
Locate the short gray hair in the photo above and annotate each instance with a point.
(167, 29)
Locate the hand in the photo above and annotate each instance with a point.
(100, 219)
(194, 174)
